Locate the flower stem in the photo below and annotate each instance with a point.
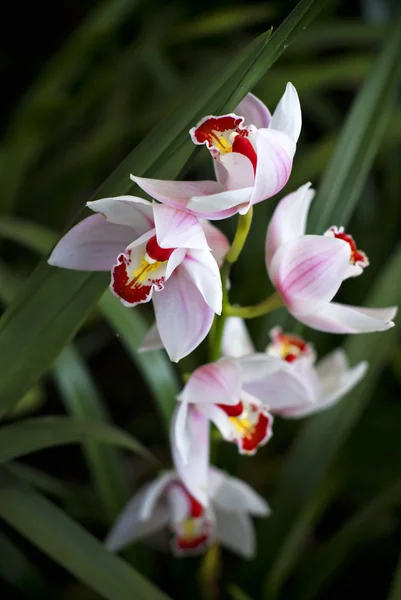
(257, 310)
(243, 227)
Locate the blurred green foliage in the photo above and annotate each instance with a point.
(111, 71)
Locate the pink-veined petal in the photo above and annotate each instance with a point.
(287, 117)
(275, 151)
(92, 245)
(308, 271)
(182, 315)
(177, 229)
(240, 171)
(203, 270)
(194, 473)
(208, 206)
(236, 339)
(254, 112)
(234, 495)
(129, 211)
(217, 241)
(214, 383)
(288, 220)
(342, 318)
(176, 193)
(235, 531)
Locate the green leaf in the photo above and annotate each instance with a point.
(42, 481)
(54, 302)
(395, 589)
(69, 544)
(346, 174)
(155, 367)
(31, 435)
(322, 436)
(333, 554)
(83, 402)
(18, 571)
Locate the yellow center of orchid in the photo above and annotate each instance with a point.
(147, 266)
(190, 529)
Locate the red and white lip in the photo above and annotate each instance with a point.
(288, 346)
(191, 523)
(358, 259)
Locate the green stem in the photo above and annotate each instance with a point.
(243, 227)
(250, 312)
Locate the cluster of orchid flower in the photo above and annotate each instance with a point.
(169, 252)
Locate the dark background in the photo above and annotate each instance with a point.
(82, 83)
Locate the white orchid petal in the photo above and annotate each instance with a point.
(209, 206)
(342, 318)
(258, 366)
(194, 473)
(92, 245)
(287, 117)
(308, 271)
(203, 270)
(288, 220)
(153, 493)
(217, 241)
(180, 431)
(335, 363)
(176, 193)
(240, 171)
(254, 112)
(234, 495)
(283, 390)
(275, 151)
(182, 315)
(129, 211)
(235, 531)
(151, 341)
(214, 383)
(236, 339)
(177, 229)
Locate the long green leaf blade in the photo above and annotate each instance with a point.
(31, 337)
(368, 118)
(82, 401)
(66, 542)
(31, 435)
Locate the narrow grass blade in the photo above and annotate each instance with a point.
(346, 174)
(18, 571)
(83, 402)
(31, 435)
(67, 543)
(395, 589)
(54, 303)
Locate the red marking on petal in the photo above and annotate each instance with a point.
(259, 435)
(243, 146)
(196, 507)
(130, 291)
(290, 358)
(232, 411)
(156, 252)
(357, 256)
(205, 131)
(191, 544)
(292, 340)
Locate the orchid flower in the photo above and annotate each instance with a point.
(166, 503)
(154, 252)
(216, 392)
(252, 152)
(307, 270)
(300, 387)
